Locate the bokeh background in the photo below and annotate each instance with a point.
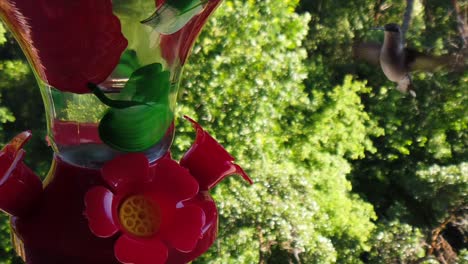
(346, 168)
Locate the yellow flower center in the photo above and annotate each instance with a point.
(139, 216)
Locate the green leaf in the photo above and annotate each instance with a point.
(128, 64)
(136, 128)
(142, 116)
(148, 84)
(185, 5)
(120, 104)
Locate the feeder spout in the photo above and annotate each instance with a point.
(20, 188)
(208, 161)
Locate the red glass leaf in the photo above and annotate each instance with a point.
(208, 161)
(176, 47)
(17, 142)
(20, 188)
(70, 43)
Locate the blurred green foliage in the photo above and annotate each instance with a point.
(346, 169)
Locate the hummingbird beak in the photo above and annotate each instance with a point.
(378, 28)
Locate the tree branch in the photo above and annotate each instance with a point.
(439, 247)
(461, 23)
(377, 9)
(407, 18)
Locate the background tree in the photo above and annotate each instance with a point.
(416, 179)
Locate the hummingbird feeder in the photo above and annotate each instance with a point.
(108, 72)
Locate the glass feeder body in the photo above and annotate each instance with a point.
(104, 42)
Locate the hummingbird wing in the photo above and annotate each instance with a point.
(369, 51)
(418, 61)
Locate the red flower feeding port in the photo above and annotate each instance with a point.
(109, 73)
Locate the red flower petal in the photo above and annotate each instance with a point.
(186, 229)
(173, 180)
(126, 171)
(140, 251)
(98, 202)
(210, 230)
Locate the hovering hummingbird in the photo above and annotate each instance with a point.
(397, 62)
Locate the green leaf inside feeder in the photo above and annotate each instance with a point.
(151, 76)
(141, 115)
(128, 64)
(173, 15)
(185, 5)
